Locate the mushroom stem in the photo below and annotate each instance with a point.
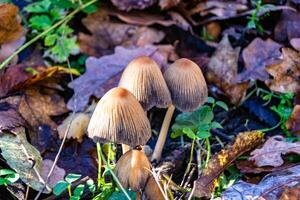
(125, 148)
(163, 134)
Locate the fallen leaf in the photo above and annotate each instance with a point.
(104, 73)
(293, 123)
(272, 150)
(78, 127)
(23, 158)
(286, 74)
(58, 173)
(37, 105)
(271, 186)
(292, 193)
(167, 4)
(9, 117)
(257, 55)
(288, 26)
(10, 27)
(106, 35)
(9, 48)
(295, 42)
(222, 71)
(128, 5)
(245, 141)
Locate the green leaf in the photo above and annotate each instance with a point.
(215, 125)
(189, 133)
(70, 178)
(210, 100)
(12, 178)
(90, 9)
(79, 190)
(50, 40)
(39, 7)
(203, 134)
(121, 196)
(2, 181)
(4, 172)
(222, 105)
(40, 22)
(91, 185)
(60, 187)
(74, 198)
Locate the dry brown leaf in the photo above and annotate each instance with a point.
(288, 26)
(57, 175)
(167, 4)
(9, 48)
(257, 55)
(292, 193)
(133, 4)
(293, 123)
(218, 163)
(10, 27)
(38, 104)
(271, 151)
(106, 35)
(222, 71)
(286, 74)
(9, 116)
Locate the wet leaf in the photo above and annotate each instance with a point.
(9, 116)
(257, 55)
(106, 35)
(286, 73)
(292, 193)
(222, 71)
(57, 174)
(128, 5)
(218, 163)
(23, 158)
(293, 123)
(272, 150)
(10, 27)
(104, 73)
(270, 187)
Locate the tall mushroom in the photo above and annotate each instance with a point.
(188, 91)
(144, 79)
(119, 118)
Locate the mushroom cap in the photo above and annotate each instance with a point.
(133, 170)
(186, 84)
(152, 191)
(119, 118)
(144, 79)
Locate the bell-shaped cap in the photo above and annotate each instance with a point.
(186, 84)
(133, 170)
(144, 79)
(152, 190)
(119, 118)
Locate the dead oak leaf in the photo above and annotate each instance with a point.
(104, 73)
(222, 71)
(218, 163)
(286, 74)
(293, 123)
(128, 5)
(38, 104)
(107, 34)
(10, 27)
(257, 55)
(272, 150)
(288, 26)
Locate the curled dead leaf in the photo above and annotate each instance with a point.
(9, 116)
(217, 164)
(286, 74)
(272, 150)
(293, 123)
(222, 71)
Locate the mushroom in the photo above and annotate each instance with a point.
(133, 170)
(144, 79)
(152, 191)
(188, 91)
(119, 118)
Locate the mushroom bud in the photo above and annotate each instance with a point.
(133, 170)
(119, 118)
(188, 91)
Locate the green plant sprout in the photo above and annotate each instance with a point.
(254, 19)
(8, 177)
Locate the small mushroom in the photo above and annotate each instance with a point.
(133, 170)
(144, 79)
(78, 127)
(119, 118)
(188, 91)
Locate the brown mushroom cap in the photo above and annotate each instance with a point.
(152, 191)
(119, 118)
(133, 170)
(186, 84)
(144, 79)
